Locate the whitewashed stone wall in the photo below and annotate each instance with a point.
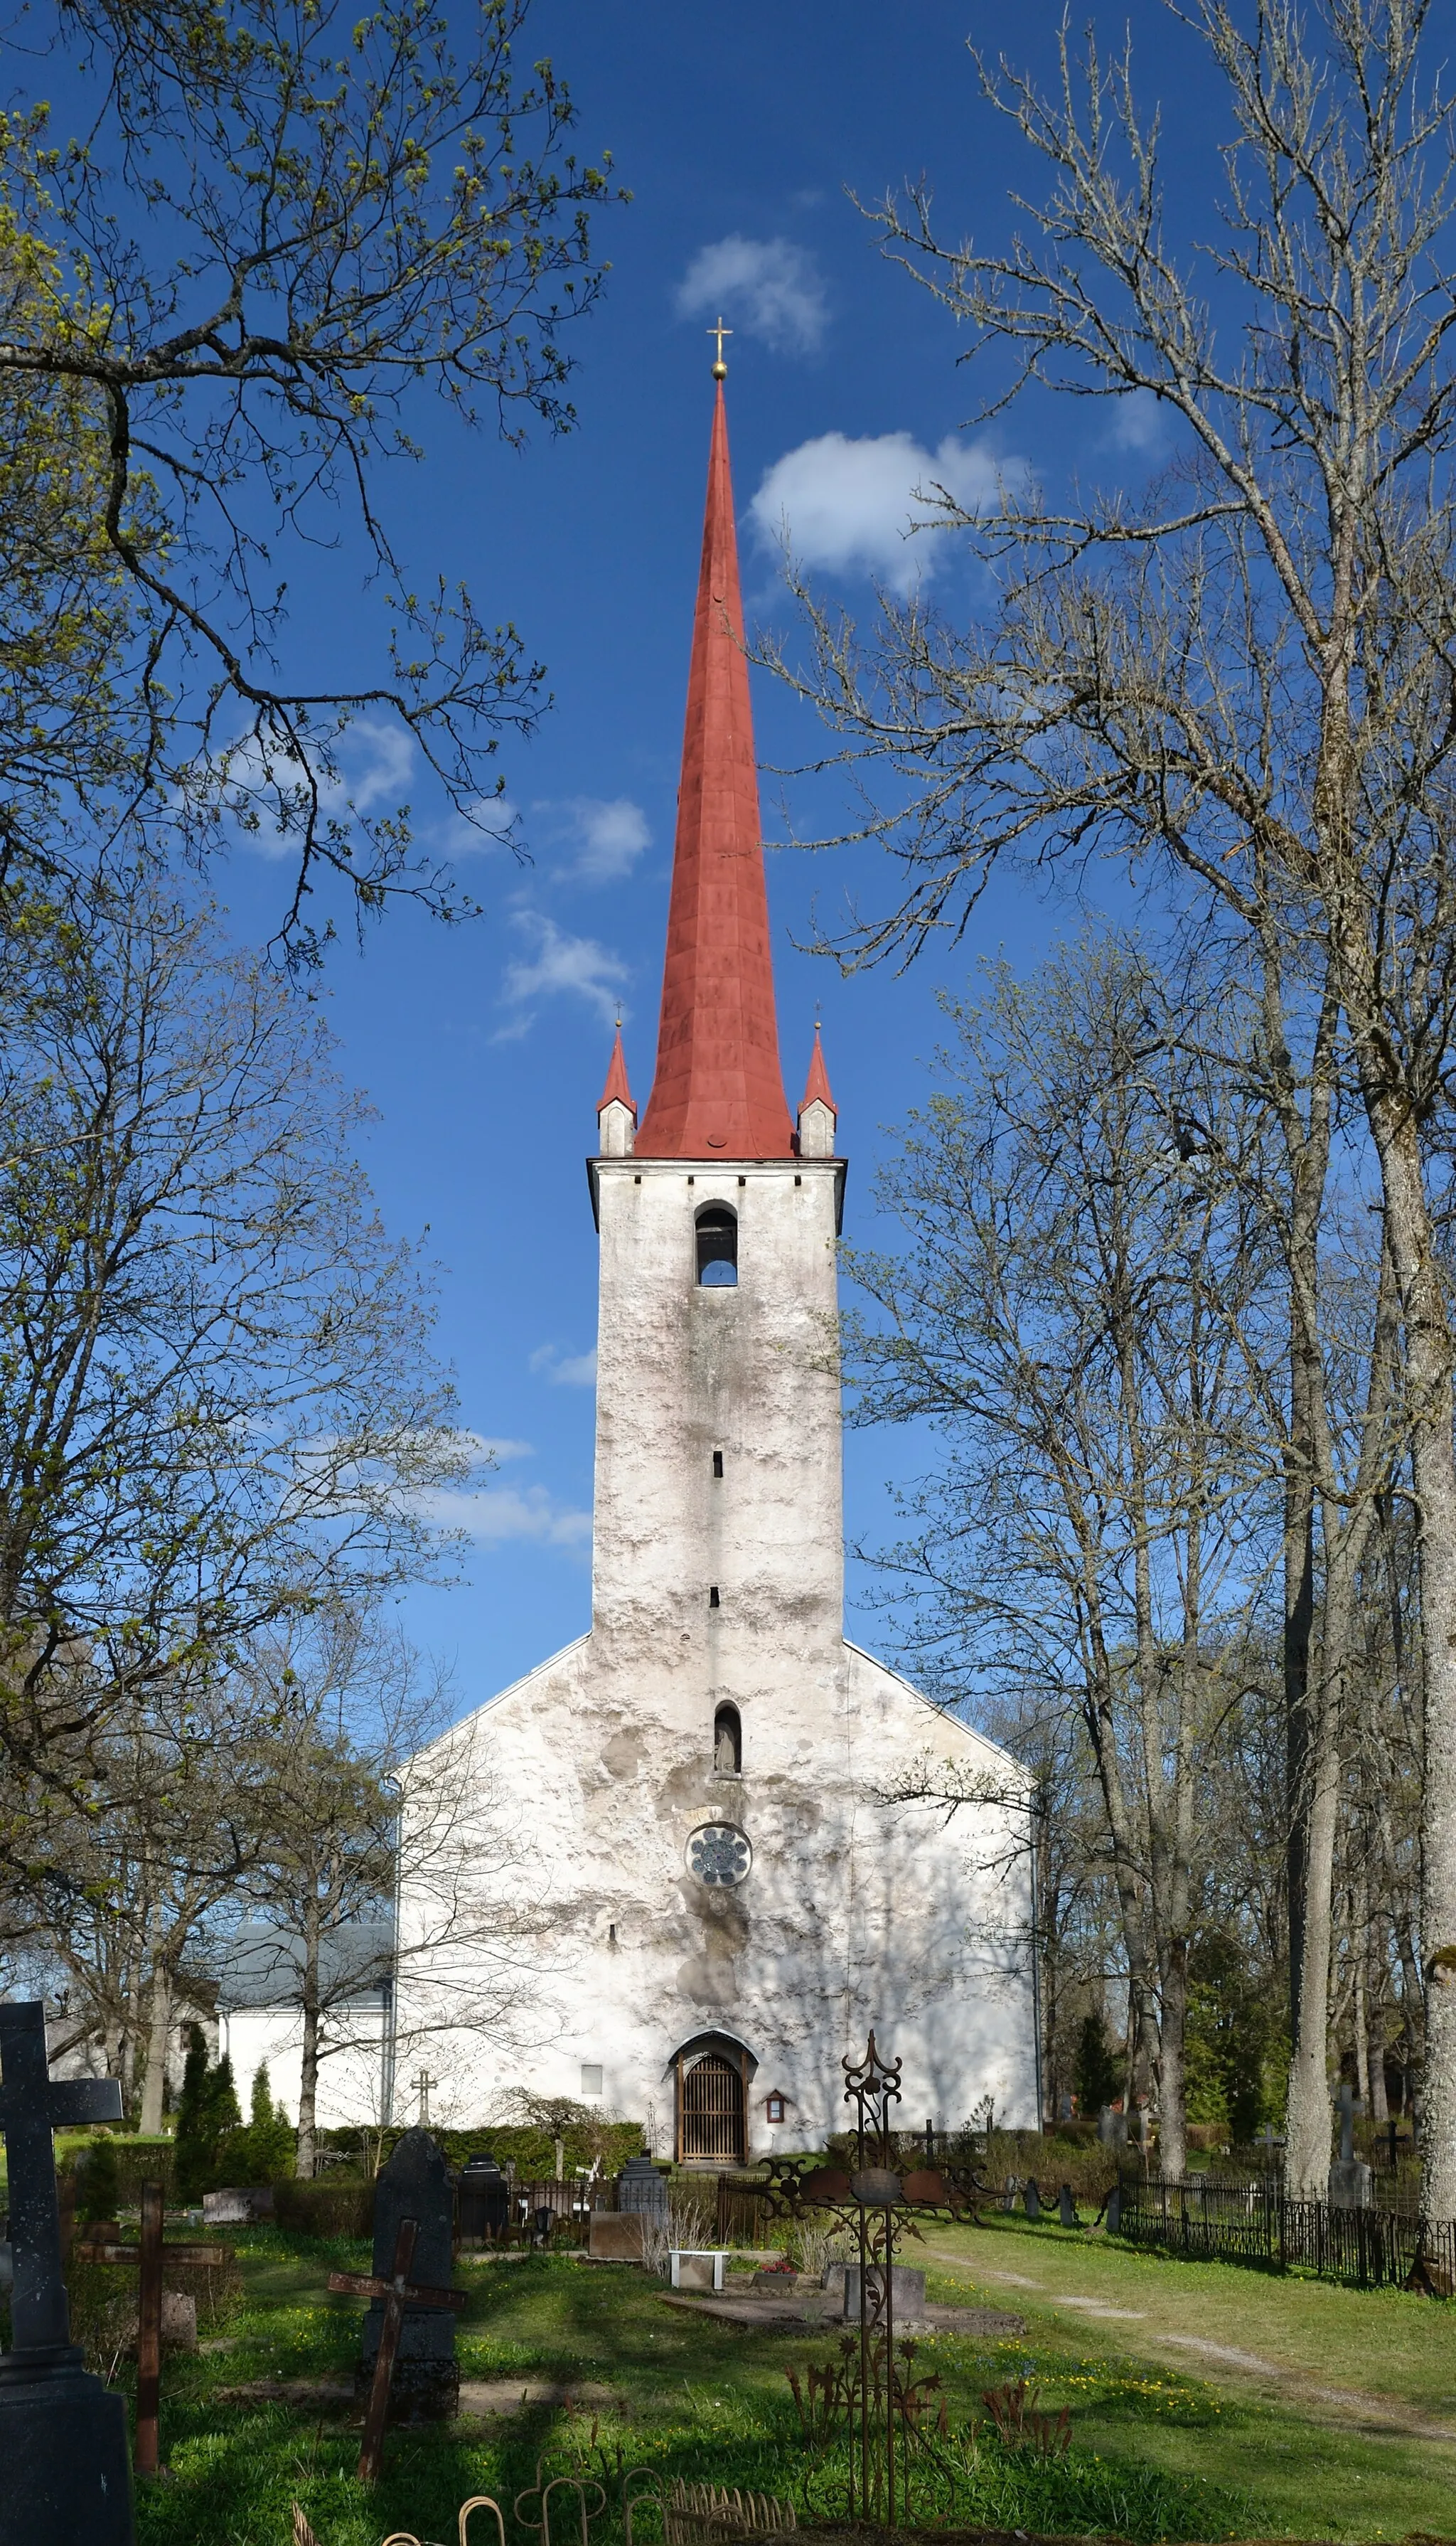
(855, 1912)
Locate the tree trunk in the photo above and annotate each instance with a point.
(308, 2068)
(158, 2029)
(1359, 1965)
(1307, 2121)
(1433, 1467)
(1172, 2136)
(1375, 2002)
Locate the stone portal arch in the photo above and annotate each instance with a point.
(710, 2083)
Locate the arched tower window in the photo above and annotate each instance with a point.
(727, 1740)
(717, 1246)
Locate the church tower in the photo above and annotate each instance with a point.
(717, 1549)
(717, 1877)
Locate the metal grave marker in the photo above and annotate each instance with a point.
(63, 2436)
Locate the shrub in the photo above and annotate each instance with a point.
(208, 2117)
(98, 2182)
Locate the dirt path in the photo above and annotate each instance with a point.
(1374, 2416)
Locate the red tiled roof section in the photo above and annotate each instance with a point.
(817, 1083)
(718, 1091)
(617, 1091)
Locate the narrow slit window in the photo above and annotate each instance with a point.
(717, 1463)
(713, 1600)
(716, 1230)
(728, 1742)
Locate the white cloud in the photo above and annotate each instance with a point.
(494, 1515)
(608, 833)
(846, 505)
(767, 287)
(491, 1451)
(486, 822)
(575, 966)
(565, 1370)
(264, 790)
(1138, 422)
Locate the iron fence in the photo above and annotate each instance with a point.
(1256, 2223)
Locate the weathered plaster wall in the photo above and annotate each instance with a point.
(855, 1912)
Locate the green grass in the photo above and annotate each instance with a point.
(1160, 2449)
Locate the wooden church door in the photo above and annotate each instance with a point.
(710, 2112)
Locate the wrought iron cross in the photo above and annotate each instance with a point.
(33, 2105)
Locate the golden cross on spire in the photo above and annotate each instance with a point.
(720, 367)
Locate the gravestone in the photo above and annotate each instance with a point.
(1112, 2126)
(63, 2436)
(1352, 2181)
(617, 2237)
(1032, 2198)
(483, 2199)
(1113, 2211)
(907, 2292)
(1068, 2208)
(236, 2203)
(415, 2184)
(641, 2187)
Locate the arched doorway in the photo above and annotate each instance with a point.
(712, 2108)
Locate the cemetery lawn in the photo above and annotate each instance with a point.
(1167, 2442)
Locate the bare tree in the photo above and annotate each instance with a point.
(216, 1403)
(1250, 667)
(349, 1704)
(1081, 1317)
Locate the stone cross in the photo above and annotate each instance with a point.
(424, 2082)
(63, 2436)
(396, 2293)
(32, 2106)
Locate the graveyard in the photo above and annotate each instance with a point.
(1204, 2401)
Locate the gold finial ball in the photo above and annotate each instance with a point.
(720, 369)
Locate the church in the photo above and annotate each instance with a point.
(713, 1890)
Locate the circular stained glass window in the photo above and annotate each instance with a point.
(719, 1854)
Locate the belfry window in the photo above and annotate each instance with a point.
(717, 1246)
(727, 1741)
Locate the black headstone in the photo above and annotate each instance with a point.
(63, 2436)
(416, 2183)
(1069, 2208)
(483, 2197)
(1034, 2199)
(640, 2186)
(1115, 2211)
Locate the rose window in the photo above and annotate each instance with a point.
(718, 1854)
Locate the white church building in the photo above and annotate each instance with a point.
(725, 1894)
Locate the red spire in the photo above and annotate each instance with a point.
(815, 1086)
(617, 1091)
(718, 1091)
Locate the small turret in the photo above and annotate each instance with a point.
(617, 1115)
(817, 1114)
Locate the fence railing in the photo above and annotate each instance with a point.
(1256, 2223)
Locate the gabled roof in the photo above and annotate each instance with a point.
(264, 1965)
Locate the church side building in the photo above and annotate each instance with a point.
(685, 1851)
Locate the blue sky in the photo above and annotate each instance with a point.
(484, 1048)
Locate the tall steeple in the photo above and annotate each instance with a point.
(718, 1090)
